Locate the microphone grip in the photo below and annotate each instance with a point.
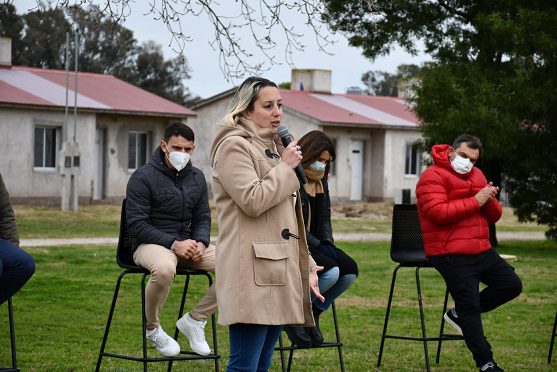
(299, 169)
(301, 174)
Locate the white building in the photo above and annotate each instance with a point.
(117, 127)
(376, 138)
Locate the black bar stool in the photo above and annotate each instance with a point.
(337, 344)
(124, 259)
(552, 340)
(408, 251)
(12, 338)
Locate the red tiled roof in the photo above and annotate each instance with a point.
(350, 109)
(40, 87)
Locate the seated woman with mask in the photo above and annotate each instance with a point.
(340, 270)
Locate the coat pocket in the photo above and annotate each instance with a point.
(270, 262)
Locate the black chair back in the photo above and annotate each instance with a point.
(124, 255)
(407, 247)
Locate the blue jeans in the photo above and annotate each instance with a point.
(252, 347)
(333, 292)
(16, 267)
(326, 280)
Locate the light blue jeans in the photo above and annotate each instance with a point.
(331, 286)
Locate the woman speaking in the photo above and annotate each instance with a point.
(264, 272)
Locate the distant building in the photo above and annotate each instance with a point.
(118, 126)
(377, 138)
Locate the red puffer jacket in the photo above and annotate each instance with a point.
(451, 219)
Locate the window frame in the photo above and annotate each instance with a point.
(147, 147)
(413, 158)
(55, 147)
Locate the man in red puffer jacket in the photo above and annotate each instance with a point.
(456, 204)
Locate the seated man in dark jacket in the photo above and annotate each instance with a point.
(169, 218)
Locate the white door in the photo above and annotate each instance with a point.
(98, 182)
(356, 169)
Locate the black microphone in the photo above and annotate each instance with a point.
(282, 131)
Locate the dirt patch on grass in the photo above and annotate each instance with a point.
(379, 211)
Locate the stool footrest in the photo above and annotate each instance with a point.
(188, 356)
(416, 338)
(295, 347)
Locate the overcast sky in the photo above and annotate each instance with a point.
(347, 64)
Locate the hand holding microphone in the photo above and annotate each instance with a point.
(291, 154)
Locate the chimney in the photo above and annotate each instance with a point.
(5, 51)
(313, 80)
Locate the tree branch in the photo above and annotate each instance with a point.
(269, 27)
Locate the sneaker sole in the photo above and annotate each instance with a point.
(453, 324)
(182, 328)
(169, 355)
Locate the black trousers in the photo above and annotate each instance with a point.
(345, 263)
(463, 275)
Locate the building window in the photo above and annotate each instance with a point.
(45, 147)
(138, 148)
(413, 159)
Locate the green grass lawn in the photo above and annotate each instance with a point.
(103, 221)
(61, 313)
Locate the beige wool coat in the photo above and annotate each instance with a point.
(261, 276)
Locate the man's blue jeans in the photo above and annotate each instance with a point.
(16, 267)
(252, 347)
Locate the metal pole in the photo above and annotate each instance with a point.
(65, 205)
(76, 51)
(67, 84)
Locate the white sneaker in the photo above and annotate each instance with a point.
(164, 344)
(195, 332)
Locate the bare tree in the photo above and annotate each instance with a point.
(274, 26)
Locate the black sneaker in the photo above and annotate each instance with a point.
(492, 367)
(452, 319)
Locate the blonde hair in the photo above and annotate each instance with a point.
(244, 99)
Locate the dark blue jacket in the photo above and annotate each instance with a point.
(164, 205)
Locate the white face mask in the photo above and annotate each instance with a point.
(461, 165)
(317, 165)
(179, 159)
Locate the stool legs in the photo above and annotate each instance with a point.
(213, 320)
(12, 334)
(422, 319)
(552, 340)
(384, 334)
(144, 358)
(143, 322)
(337, 334)
(442, 327)
(424, 339)
(109, 321)
(337, 344)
